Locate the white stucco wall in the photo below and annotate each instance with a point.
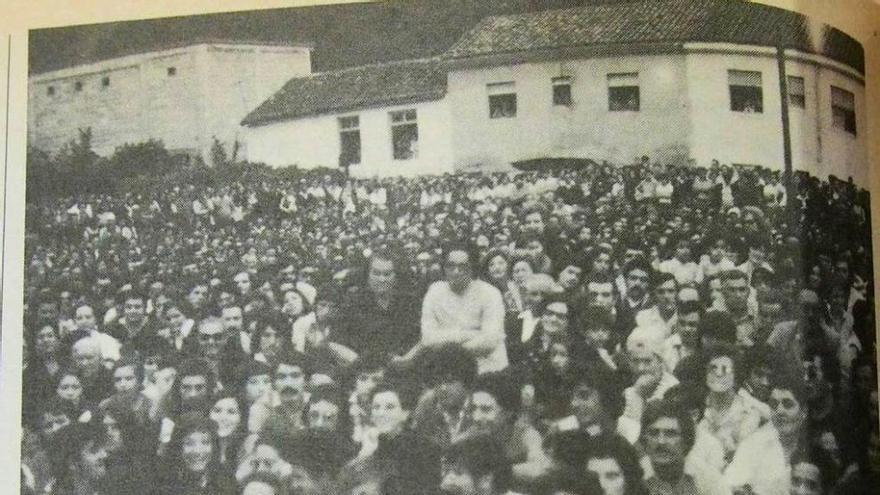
(586, 129)
(684, 113)
(214, 87)
(756, 138)
(313, 142)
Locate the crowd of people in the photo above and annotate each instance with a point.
(602, 330)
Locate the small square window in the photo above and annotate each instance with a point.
(796, 96)
(105, 81)
(78, 86)
(843, 110)
(746, 94)
(350, 140)
(172, 71)
(562, 91)
(623, 92)
(404, 135)
(50, 91)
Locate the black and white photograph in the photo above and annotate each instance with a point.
(464, 247)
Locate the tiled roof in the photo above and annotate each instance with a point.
(391, 83)
(652, 21)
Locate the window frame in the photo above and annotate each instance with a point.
(398, 121)
(502, 100)
(847, 111)
(564, 99)
(622, 87)
(349, 128)
(739, 92)
(798, 100)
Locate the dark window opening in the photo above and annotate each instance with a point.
(172, 71)
(50, 91)
(796, 96)
(502, 106)
(349, 140)
(404, 135)
(746, 95)
(78, 86)
(623, 99)
(843, 110)
(562, 91)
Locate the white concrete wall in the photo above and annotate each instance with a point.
(587, 129)
(756, 138)
(214, 87)
(313, 142)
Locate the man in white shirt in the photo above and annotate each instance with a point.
(466, 311)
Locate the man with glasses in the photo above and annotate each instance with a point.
(463, 310)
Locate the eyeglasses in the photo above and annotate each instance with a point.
(211, 337)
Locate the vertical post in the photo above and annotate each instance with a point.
(786, 131)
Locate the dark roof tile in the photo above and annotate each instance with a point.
(653, 21)
(391, 83)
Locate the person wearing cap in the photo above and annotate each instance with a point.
(466, 310)
(644, 352)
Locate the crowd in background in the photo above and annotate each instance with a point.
(601, 330)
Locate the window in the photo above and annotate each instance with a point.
(796, 91)
(50, 91)
(623, 92)
(562, 91)
(745, 91)
(404, 134)
(105, 82)
(843, 110)
(502, 100)
(172, 71)
(78, 86)
(349, 140)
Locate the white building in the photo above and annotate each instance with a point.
(671, 79)
(183, 95)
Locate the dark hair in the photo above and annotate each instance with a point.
(502, 387)
(134, 362)
(449, 362)
(668, 409)
(732, 274)
(492, 254)
(191, 423)
(569, 479)
(481, 454)
(292, 357)
(717, 325)
(406, 389)
(828, 470)
(660, 278)
(793, 383)
(615, 447)
(730, 351)
(638, 263)
(272, 320)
